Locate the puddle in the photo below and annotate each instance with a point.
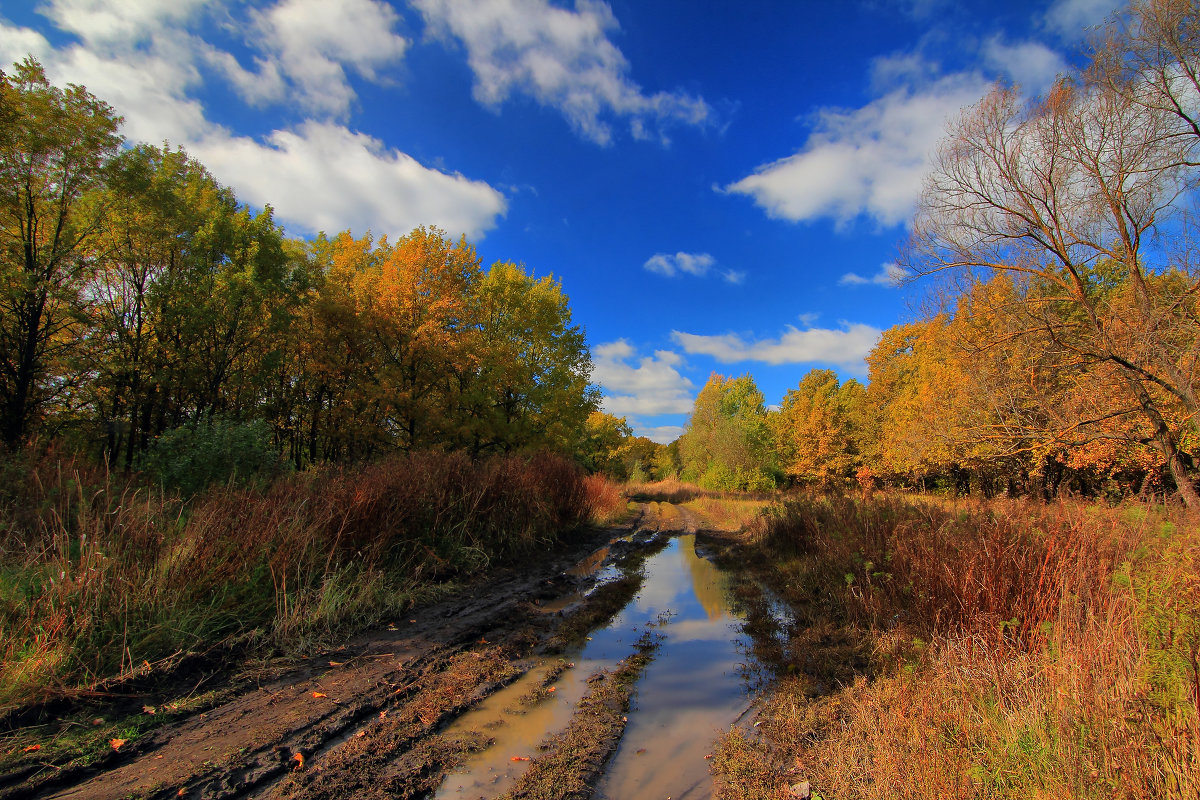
(697, 686)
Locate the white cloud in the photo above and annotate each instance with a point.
(663, 434)
(1032, 65)
(323, 176)
(653, 386)
(671, 265)
(561, 58)
(142, 57)
(312, 42)
(889, 275)
(16, 43)
(118, 23)
(846, 348)
(697, 264)
(868, 161)
(1071, 18)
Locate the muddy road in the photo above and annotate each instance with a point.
(606, 670)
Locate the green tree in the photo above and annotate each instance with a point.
(727, 442)
(531, 368)
(54, 144)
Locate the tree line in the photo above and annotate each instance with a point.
(1060, 237)
(144, 311)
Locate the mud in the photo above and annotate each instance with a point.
(375, 718)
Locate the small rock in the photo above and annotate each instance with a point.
(800, 791)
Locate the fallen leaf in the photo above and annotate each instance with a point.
(519, 758)
(710, 755)
(149, 709)
(33, 748)
(552, 688)
(482, 640)
(299, 759)
(360, 734)
(319, 694)
(412, 620)
(383, 713)
(336, 663)
(116, 743)
(641, 750)
(179, 793)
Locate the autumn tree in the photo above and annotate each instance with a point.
(818, 430)
(54, 144)
(1050, 191)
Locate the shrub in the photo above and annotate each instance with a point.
(219, 450)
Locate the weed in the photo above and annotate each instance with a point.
(1015, 650)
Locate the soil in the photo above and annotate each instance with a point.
(364, 721)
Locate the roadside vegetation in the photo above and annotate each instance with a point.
(977, 648)
(104, 577)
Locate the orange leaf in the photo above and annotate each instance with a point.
(319, 694)
(383, 713)
(299, 759)
(33, 748)
(519, 758)
(150, 709)
(552, 688)
(116, 743)
(336, 663)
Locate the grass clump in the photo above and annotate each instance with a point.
(1015, 650)
(102, 578)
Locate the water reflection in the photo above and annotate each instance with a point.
(695, 688)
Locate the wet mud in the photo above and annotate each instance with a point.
(607, 670)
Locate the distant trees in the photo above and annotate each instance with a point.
(820, 429)
(727, 443)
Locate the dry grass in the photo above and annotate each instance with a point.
(671, 490)
(728, 512)
(1020, 650)
(100, 577)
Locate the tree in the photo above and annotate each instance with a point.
(54, 144)
(1053, 190)
(818, 430)
(531, 367)
(727, 442)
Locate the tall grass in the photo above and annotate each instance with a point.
(101, 577)
(1020, 650)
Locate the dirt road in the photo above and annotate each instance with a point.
(373, 718)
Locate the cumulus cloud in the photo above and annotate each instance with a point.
(311, 43)
(868, 161)
(697, 264)
(1070, 18)
(663, 434)
(646, 386)
(561, 58)
(326, 177)
(1032, 65)
(846, 348)
(889, 275)
(16, 43)
(145, 59)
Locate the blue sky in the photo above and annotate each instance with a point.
(720, 186)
